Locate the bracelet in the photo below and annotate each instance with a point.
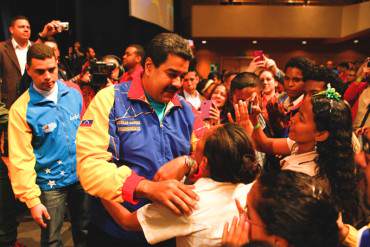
(190, 164)
(257, 126)
(43, 39)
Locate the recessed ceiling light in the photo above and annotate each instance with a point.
(204, 41)
(355, 41)
(304, 42)
(254, 42)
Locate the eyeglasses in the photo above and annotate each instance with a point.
(293, 79)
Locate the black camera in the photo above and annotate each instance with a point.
(100, 72)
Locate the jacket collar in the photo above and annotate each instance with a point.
(37, 99)
(136, 92)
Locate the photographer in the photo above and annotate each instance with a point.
(98, 75)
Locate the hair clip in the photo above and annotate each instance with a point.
(316, 192)
(330, 93)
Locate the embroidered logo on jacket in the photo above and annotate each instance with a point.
(128, 125)
(74, 117)
(47, 128)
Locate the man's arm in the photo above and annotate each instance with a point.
(22, 162)
(22, 159)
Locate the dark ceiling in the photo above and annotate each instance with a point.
(278, 2)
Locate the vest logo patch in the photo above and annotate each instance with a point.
(47, 128)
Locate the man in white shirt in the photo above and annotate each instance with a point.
(190, 93)
(13, 54)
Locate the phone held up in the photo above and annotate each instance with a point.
(205, 108)
(258, 54)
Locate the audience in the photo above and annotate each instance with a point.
(153, 118)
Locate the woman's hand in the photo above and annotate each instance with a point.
(237, 235)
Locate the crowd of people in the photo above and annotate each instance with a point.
(142, 151)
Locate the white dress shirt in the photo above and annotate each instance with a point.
(21, 54)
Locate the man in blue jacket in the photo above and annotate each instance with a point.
(137, 128)
(42, 150)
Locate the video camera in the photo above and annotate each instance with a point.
(100, 72)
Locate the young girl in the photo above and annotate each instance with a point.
(319, 144)
(286, 209)
(228, 155)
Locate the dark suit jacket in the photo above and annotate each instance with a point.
(13, 85)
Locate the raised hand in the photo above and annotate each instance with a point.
(256, 64)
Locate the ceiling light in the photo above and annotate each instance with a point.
(254, 42)
(356, 41)
(304, 42)
(204, 42)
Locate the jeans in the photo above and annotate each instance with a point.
(55, 202)
(8, 212)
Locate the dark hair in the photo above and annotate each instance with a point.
(86, 50)
(325, 75)
(139, 50)
(16, 18)
(231, 156)
(227, 74)
(214, 75)
(50, 39)
(39, 51)
(240, 81)
(302, 63)
(335, 154)
(344, 65)
(298, 208)
(168, 43)
(243, 80)
(190, 70)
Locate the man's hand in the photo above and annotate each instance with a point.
(37, 213)
(174, 169)
(178, 197)
(51, 29)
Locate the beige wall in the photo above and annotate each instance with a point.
(279, 21)
(355, 18)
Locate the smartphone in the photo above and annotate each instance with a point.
(259, 54)
(205, 107)
(250, 109)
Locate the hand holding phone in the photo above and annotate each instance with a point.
(258, 54)
(205, 108)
